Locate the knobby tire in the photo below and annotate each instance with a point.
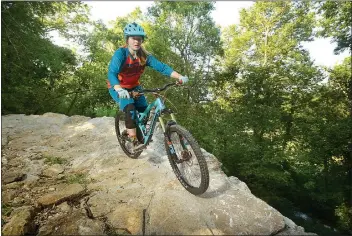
(204, 173)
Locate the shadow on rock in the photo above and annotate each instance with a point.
(155, 159)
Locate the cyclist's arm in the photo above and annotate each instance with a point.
(115, 68)
(159, 66)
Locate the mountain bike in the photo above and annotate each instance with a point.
(184, 154)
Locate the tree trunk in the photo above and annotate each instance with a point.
(72, 103)
(348, 186)
(326, 171)
(348, 155)
(288, 127)
(266, 46)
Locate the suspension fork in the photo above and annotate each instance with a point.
(162, 123)
(166, 131)
(182, 139)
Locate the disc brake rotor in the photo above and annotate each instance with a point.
(186, 155)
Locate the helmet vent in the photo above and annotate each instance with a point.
(134, 29)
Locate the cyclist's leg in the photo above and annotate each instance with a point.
(141, 103)
(130, 111)
(127, 106)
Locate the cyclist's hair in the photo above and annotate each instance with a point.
(143, 54)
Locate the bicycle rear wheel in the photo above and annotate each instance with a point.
(125, 145)
(188, 163)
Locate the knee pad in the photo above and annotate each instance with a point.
(130, 112)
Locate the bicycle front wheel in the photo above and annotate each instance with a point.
(188, 162)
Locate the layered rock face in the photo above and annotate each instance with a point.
(67, 175)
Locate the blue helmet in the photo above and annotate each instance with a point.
(134, 29)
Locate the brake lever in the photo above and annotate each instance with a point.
(135, 94)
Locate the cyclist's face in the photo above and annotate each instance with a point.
(135, 42)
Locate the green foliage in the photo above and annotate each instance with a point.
(279, 128)
(32, 64)
(344, 212)
(81, 178)
(336, 23)
(51, 160)
(269, 32)
(191, 38)
(6, 209)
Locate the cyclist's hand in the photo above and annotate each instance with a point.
(123, 93)
(183, 79)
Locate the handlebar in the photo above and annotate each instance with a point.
(159, 89)
(156, 90)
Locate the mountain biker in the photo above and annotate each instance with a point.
(125, 69)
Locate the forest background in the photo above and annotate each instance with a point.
(256, 99)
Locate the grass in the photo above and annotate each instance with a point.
(81, 178)
(51, 160)
(109, 112)
(6, 209)
(5, 213)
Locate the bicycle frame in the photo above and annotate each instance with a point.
(186, 147)
(159, 106)
(160, 110)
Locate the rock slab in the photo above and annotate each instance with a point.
(69, 192)
(21, 222)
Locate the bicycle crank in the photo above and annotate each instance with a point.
(139, 147)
